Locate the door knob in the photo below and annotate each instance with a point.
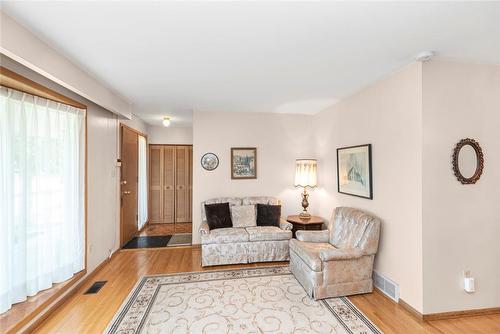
(123, 182)
(126, 192)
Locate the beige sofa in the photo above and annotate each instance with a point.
(244, 245)
(338, 261)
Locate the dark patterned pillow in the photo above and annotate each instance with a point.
(218, 215)
(268, 215)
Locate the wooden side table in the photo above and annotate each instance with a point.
(313, 223)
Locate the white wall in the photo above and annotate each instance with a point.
(170, 135)
(279, 138)
(23, 46)
(461, 223)
(136, 123)
(388, 116)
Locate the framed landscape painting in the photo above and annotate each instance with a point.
(243, 163)
(354, 171)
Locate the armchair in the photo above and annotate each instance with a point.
(337, 261)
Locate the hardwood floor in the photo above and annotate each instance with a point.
(92, 313)
(165, 229)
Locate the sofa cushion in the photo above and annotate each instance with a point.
(225, 236)
(218, 215)
(254, 200)
(267, 233)
(309, 252)
(231, 200)
(243, 216)
(268, 215)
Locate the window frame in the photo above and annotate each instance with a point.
(46, 301)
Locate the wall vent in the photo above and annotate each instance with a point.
(387, 286)
(94, 288)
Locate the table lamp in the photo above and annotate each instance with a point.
(305, 176)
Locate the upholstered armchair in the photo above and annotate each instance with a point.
(337, 261)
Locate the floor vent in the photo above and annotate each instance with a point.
(388, 287)
(95, 287)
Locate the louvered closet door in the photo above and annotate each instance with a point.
(155, 184)
(182, 202)
(190, 195)
(169, 184)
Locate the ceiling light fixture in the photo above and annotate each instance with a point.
(425, 56)
(166, 121)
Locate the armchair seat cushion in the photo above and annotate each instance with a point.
(309, 252)
(267, 233)
(225, 236)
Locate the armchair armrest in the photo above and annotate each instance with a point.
(313, 236)
(284, 225)
(204, 229)
(333, 254)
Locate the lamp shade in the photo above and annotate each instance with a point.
(306, 173)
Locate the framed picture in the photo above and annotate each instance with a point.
(354, 171)
(243, 163)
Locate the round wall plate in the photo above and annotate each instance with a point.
(209, 161)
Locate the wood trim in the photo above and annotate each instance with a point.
(461, 314)
(408, 308)
(31, 315)
(54, 308)
(18, 82)
(134, 130)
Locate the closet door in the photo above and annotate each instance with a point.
(190, 195)
(169, 184)
(155, 184)
(182, 202)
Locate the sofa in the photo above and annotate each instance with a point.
(244, 245)
(337, 261)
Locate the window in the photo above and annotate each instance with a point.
(42, 194)
(142, 185)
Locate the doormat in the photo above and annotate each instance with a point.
(180, 239)
(148, 242)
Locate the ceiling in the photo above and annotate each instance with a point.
(170, 58)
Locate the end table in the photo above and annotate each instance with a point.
(299, 223)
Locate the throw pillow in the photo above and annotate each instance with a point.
(218, 215)
(243, 216)
(268, 215)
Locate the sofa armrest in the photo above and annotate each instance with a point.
(333, 254)
(284, 225)
(204, 229)
(313, 236)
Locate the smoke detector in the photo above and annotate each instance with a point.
(425, 56)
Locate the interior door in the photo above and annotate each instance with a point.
(182, 203)
(155, 184)
(129, 179)
(169, 184)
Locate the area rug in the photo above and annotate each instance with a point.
(180, 239)
(256, 300)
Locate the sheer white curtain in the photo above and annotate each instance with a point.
(142, 184)
(42, 194)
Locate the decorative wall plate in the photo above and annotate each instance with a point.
(209, 161)
(478, 160)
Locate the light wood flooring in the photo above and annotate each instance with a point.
(91, 313)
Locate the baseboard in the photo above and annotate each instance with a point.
(443, 315)
(51, 309)
(408, 308)
(461, 314)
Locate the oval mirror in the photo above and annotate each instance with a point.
(468, 162)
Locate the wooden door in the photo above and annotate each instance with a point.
(155, 184)
(182, 191)
(168, 184)
(129, 178)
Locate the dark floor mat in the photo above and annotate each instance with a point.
(148, 242)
